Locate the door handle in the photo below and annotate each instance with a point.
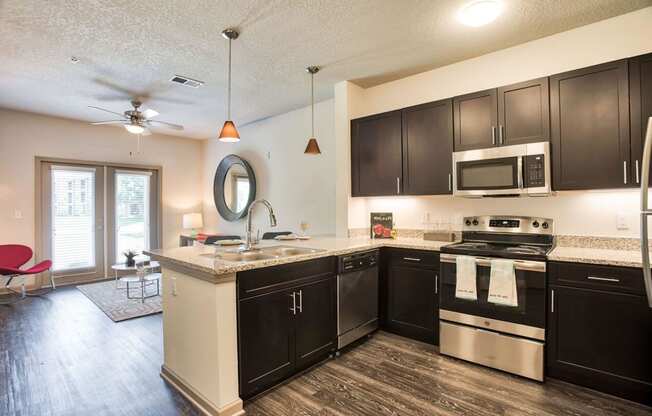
(398, 185)
(493, 135)
(411, 259)
(638, 179)
(552, 300)
(300, 306)
(625, 172)
(450, 182)
(293, 309)
(501, 134)
(436, 283)
(603, 279)
(519, 174)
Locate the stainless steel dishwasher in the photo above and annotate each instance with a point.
(357, 296)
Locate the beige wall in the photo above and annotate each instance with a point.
(25, 135)
(585, 213)
(299, 186)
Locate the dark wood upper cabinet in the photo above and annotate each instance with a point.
(376, 158)
(428, 148)
(476, 120)
(590, 127)
(640, 89)
(524, 112)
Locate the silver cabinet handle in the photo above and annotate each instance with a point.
(645, 212)
(638, 180)
(493, 135)
(501, 134)
(293, 309)
(552, 300)
(625, 172)
(450, 182)
(300, 307)
(411, 259)
(398, 185)
(436, 284)
(603, 279)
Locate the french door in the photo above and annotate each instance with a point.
(72, 210)
(92, 213)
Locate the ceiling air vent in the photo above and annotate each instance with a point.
(188, 82)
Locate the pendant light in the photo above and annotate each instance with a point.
(229, 133)
(313, 147)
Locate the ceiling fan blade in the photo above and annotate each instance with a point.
(108, 122)
(105, 110)
(170, 125)
(150, 113)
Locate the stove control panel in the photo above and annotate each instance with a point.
(508, 224)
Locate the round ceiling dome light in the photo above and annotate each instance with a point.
(480, 12)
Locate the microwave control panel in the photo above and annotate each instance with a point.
(535, 171)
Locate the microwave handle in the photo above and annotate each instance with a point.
(519, 173)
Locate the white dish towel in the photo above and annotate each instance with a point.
(502, 283)
(465, 285)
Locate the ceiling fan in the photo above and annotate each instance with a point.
(136, 121)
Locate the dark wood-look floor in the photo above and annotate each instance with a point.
(62, 356)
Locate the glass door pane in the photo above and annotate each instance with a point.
(73, 218)
(132, 212)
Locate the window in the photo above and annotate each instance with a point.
(132, 212)
(73, 222)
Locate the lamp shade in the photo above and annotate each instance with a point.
(191, 221)
(229, 133)
(313, 147)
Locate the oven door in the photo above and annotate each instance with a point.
(531, 296)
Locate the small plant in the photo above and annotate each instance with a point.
(130, 256)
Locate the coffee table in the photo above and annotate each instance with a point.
(122, 267)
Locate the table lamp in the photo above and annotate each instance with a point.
(193, 222)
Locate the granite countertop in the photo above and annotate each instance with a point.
(201, 258)
(610, 257)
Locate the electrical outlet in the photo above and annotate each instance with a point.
(426, 217)
(621, 221)
(18, 214)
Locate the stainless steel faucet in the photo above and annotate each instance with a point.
(272, 220)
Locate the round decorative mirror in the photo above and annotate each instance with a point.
(234, 187)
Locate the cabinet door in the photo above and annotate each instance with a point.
(266, 341)
(601, 340)
(411, 302)
(316, 321)
(428, 148)
(376, 159)
(590, 127)
(640, 78)
(524, 112)
(476, 120)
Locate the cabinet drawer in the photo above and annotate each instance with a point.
(610, 278)
(268, 279)
(417, 258)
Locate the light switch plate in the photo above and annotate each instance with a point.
(621, 221)
(18, 214)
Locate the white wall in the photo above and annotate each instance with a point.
(25, 135)
(583, 213)
(299, 186)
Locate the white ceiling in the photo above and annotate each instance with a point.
(137, 46)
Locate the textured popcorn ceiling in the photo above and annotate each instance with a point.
(138, 45)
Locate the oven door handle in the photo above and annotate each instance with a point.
(535, 266)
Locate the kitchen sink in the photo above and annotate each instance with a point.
(266, 253)
(286, 251)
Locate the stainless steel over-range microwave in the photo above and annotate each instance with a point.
(519, 170)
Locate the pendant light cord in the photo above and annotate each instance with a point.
(312, 101)
(228, 104)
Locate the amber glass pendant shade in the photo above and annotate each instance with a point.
(229, 133)
(313, 147)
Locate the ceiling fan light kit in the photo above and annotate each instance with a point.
(229, 132)
(313, 147)
(134, 128)
(136, 121)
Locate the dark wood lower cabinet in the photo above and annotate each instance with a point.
(600, 338)
(316, 322)
(412, 295)
(286, 324)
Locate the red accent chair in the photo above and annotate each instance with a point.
(12, 257)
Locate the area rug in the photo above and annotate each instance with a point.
(114, 303)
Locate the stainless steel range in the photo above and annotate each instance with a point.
(493, 293)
